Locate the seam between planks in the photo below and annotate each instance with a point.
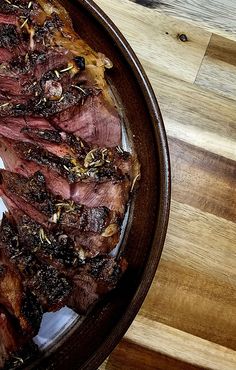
(202, 59)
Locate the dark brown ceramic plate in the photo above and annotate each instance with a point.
(91, 339)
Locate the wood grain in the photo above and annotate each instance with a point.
(193, 295)
(216, 16)
(218, 69)
(129, 355)
(158, 41)
(195, 115)
(147, 346)
(190, 113)
(211, 183)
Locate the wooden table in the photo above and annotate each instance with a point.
(188, 320)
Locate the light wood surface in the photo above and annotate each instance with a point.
(218, 16)
(188, 320)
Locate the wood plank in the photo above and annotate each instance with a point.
(218, 70)
(150, 345)
(199, 117)
(209, 178)
(128, 355)
(180, 345)
(215, 16)
(190, 113)
(158, 40)
(194, 289)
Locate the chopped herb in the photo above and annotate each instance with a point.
(66, 69)
(134, 182)
(79, 88)
(4, 105)
(66, 168)
(47, 240)
(24, 23)
(61, 98)
(41, 234)
(57, 73)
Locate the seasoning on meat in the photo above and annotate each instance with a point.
(67, 180)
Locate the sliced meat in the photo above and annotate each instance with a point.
(67, 181)
(22, 245)
(57, 248)
(45, 283)
(12, 162)
(32, 197)
(112, 195)
(18, 301)
(38, 63)
(96, 277)
(12, 127)
(100, 164)
(15, 347)
(93, 121)
(8, 19)
(16, 76)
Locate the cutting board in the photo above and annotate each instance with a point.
(188, 50)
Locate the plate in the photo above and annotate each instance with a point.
(66, 340)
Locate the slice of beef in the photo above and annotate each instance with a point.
(26, 252)
(33, 198)
(49, 286)
(16, 76)
(13, 127)
(18, 300)
(112, 195)
(98, 165)
(15, 348)
(38, 63)
(35, 153)
(56, 248)
(95, 278)
(57, 142)
(56, 183)
(93, 121)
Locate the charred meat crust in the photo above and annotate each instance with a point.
(51, 136)
(96, 277)
(57, 248)
(98, 164)
(9, 37)
(45, 282)
(69, 215)
(50, 287)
